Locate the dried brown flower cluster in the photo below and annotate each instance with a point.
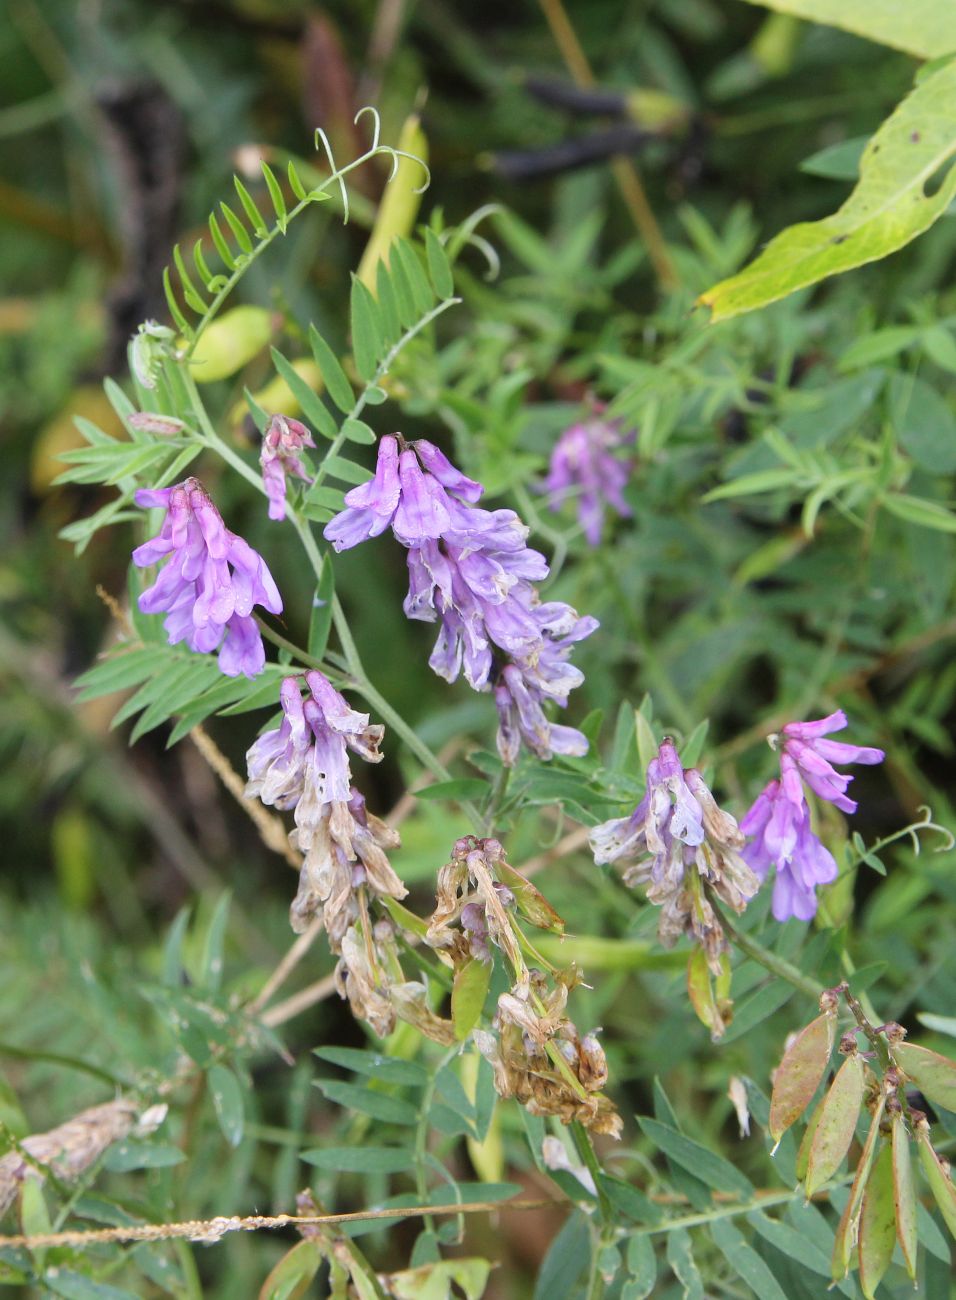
(72, 1147)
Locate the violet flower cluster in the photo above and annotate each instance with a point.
(780, 818)
(210, 582)
(281, 444)
(303, 764)
(471, 571)
(676, 842)
(583, 466)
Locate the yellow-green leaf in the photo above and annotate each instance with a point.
(468, 995)
(926, 28)
(888, 208)
(292, 1276)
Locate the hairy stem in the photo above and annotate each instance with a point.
(769, 960)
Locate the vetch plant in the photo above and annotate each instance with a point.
(504, 1035)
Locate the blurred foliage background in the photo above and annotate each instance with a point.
(121, 124)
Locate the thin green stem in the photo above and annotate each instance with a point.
(421, 1133)
(585, 1149)
(769, 960)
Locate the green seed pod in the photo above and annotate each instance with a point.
(836, 1125)
(904, 1195)
(229, 343)
(799, 1073)
(937, 1177)
(848, 1231)
(877, 1222)
(934, 1075)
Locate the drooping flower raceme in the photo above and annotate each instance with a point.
(675, 842)
(210, 582)
(583, 465)
(471, 571)
(281, 444)
(780, 817)
(303, 764)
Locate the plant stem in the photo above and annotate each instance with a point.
(585, 1149)
(769, 960)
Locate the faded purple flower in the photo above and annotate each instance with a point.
(779, 820)
(583, 466)
(211, 581)
(471, 571)
(281, 444)
(675, 842)
(303, 764)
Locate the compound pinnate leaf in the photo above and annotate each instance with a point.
(837, 1122)
(934, 1075)
(799, 1073)
(925, 28)
(877, 1223)
(888, 208)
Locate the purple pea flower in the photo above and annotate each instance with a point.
(211, 581)
(779, 820)
(412, 490)
(471, 571)
(583, 465)
(676, 841)
(814, 757)
(281, 444)
(303, 764)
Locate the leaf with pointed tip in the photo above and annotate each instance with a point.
(294, 1273)
(336, 383)
(888, 208)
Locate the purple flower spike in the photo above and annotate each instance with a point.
(283, 441)
(814, 757)
(583, 465)
(779, 820)
(471, 571)
(211, 580)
